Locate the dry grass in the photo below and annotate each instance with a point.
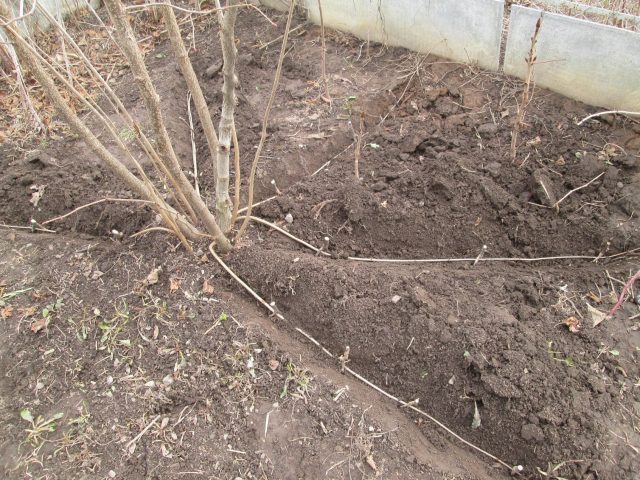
(628, 7)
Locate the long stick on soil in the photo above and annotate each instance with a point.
(473, 260)
(265, 121)
(255, 295)
(526, 95)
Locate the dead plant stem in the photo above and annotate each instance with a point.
(526, 93)
(265, 121)
(325, 80)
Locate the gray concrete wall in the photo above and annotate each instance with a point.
(594, 63)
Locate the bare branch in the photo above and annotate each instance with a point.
(265, 121)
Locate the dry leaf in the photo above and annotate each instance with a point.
(596, 315)
(28, 312)
(174, 284)
(39, 324)
(6, 312)
(153, 277)
(371, 463)
(206, 288)
(274, 364)
(573, 324)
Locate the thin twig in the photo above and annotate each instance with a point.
(555, 205)
(22, 227)
(244, 209)
(91, 204)
(265, 120)
(324, 54)
(287, 234)
(623, 293)
(473, 260)
(139, 436)
(151, 229)
(194, 153)
(352, 372)
(609, 112)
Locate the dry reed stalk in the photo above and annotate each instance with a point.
(324, 54)
(526, 93)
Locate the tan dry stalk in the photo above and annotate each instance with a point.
(324, 54)
(118, 106)
(195, 205)
(182, 57)
(358, 151)
(265, 121)
(225, 127)
(526, 93)
(127, 42)
(144, 190)
(100, 114)
(238, 178)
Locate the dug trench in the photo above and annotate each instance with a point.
(436, 182)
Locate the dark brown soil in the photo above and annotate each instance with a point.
(437, 181)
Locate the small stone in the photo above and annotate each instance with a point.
(543, 188)
(168, 379)
(396, 299)
(531, 432)
(288, 218)
(488, 129)
(112, 474)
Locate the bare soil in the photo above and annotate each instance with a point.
(241, 395)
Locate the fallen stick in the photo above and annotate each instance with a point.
(473, 260)
(517, 468)
(555, 205)
(599, 114)
(139, 436)
(91, 204)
